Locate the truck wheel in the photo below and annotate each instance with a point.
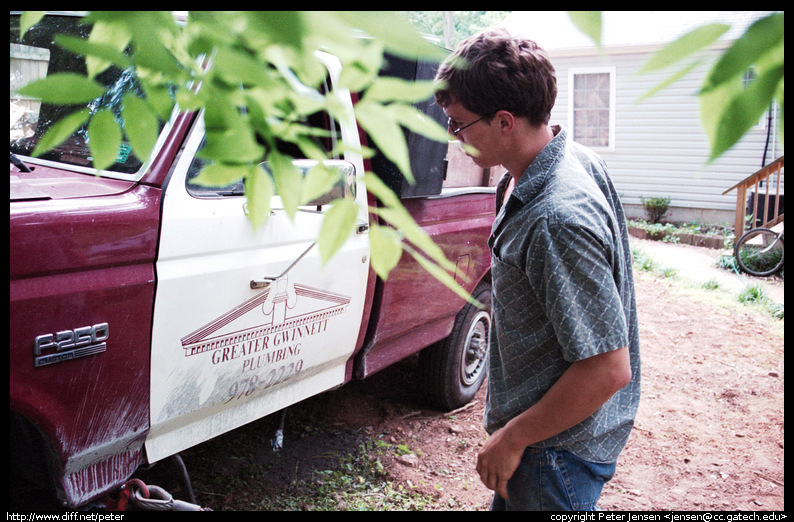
(454, 369)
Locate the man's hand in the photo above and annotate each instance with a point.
(498, 460)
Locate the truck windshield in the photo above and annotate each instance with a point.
(36, 56)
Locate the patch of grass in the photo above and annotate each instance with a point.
(755, 295)
(646, 263)
(358, 483)
(727, 262)
(752, 295)
(642, 261)
(776, 310)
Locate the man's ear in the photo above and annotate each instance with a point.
(506, 121)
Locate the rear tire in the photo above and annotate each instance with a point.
(454, 369)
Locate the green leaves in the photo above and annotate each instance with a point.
(337, 227)
(258, 191)
(729, 107)
(288, 182)
(388, 89)
(686, 45)
(262, 82)
(762, 37)
(112, 32)
(101, 49)
(729, 110)
(589, 22)
(383, 121)
(141, 125)
(386, 246)
(384, 129)
(61, 130)
(393, 31)
(64, 89)
(28, 19)
(104, 139)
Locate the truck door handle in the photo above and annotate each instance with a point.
(261, 284)
(361, 228)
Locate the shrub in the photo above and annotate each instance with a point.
(655, 208)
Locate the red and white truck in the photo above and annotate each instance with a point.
(147, 316)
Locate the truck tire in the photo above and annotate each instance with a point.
(454, 369)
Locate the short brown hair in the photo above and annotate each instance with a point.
(494, 71)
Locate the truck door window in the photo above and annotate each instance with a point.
(328, 136)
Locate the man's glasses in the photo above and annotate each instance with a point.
(451, 124)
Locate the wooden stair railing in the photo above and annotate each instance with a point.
(774, 169)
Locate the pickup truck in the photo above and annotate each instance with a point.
(147, 315)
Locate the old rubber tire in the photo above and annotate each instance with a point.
(454, 369)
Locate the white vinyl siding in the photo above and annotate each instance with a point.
(658, 147)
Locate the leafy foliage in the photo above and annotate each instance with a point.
(728, 107)
(589, 22)
(655, 208)
(255, 75)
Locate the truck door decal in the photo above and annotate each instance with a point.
(264, 336)
(268, 328)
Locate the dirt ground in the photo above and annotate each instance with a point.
(709, 433)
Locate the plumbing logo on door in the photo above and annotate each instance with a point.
(269, 328)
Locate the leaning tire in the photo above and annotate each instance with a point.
(454, 369)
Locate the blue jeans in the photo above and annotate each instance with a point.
(554, 479)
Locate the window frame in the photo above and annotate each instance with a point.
(578, 71)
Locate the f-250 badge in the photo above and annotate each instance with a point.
(70, 344)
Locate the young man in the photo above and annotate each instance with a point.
(564, 378)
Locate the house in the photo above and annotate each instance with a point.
(657, 147)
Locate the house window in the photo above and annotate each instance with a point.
(591, 107)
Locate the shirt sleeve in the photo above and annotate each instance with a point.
(569, 267)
